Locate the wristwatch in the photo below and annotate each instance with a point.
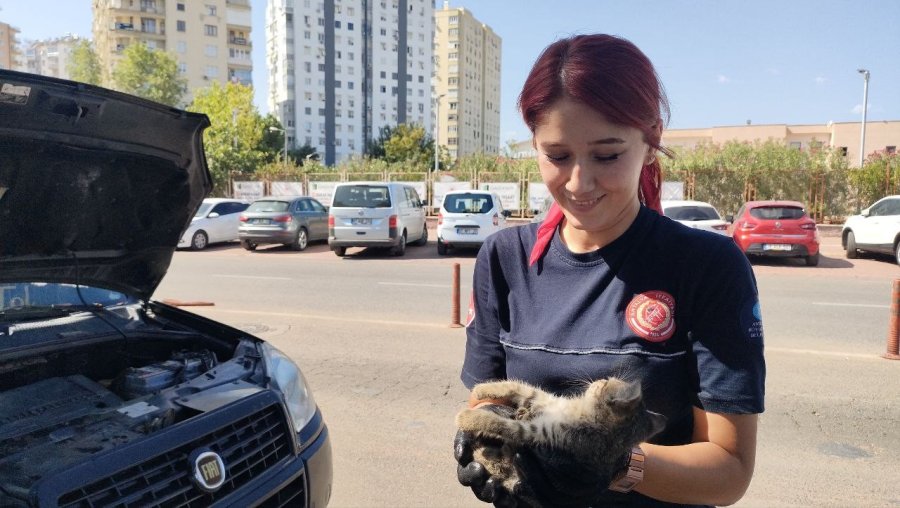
(632, 474)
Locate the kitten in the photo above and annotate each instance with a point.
(596, 428)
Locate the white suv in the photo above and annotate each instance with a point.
(876, 229)
(467, 217)
(376, 214)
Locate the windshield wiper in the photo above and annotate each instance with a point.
(43, 311)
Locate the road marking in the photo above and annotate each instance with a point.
(342, 319)
(251, 277)
(414, 284)
(867, 305)
(822, 353)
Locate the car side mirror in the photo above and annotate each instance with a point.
(729, 218)
(506, 213)
(213, 215)
(864, 213)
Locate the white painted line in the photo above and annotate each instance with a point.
(867, 305)
(414, 284)
(251, 277)
(821, 353)
(342, 319)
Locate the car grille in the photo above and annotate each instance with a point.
(248, 447)
(293, 494)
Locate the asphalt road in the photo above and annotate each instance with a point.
(372, 335)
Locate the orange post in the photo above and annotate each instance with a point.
(893, 339)
(454, 305)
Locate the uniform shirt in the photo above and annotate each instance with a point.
(674, 307)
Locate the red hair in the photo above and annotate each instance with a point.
(612, 76)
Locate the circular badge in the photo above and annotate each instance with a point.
(651, 315)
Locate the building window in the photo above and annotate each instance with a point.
(891, 149)
(211, 30)
(212, 71)
(796, 144)
(454, 19)
(182, 67)
(180, 7)
(212, 50)
(349, 26)
(843, 150)
(181, 46)
(181, 26)
(350, 85)
(210, 10)
(337, 24)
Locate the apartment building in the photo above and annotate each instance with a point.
(10, 54)
(466, 83)
(881, 135)
(51, 57)
(210, 39)
(340, 70)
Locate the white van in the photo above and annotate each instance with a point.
(376, 214)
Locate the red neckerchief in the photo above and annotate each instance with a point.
(649, 193)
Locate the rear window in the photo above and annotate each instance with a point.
(777, 212)
(691, 213)
(362, 196)
(269, 206)
(468, 203)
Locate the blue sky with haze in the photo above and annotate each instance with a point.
(723, 62)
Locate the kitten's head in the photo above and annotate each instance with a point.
(620, 407)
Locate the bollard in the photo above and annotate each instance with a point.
(454, 305)
(893, 339)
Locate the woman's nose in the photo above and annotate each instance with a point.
(580, 181)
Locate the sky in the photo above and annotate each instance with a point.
(722, 62)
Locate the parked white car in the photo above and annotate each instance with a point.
(875, 229)
(467, 217)
(376, 214)
(695, 214)
(216, 220)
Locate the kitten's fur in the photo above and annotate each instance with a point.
(596, 428)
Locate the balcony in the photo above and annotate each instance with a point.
(240, 41)
(124, 26)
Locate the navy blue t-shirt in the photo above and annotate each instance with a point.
(672, 306)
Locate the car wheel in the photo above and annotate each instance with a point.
(199, 241)
(247, 244)
(851, 246)
(400, 248)
(897, 252)
(301, 241)
(812, 260)
(442, 248)
(424, 238)
(339, 251)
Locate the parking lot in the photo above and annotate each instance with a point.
(372, 335)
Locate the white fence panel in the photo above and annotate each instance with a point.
(248, 190)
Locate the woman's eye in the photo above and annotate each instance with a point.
(606, 158)
(556, 158)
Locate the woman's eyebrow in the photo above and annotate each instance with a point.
(603, 141)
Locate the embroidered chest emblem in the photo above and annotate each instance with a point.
(651, 315)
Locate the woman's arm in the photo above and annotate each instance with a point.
(715, 469)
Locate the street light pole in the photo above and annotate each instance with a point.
(437, 111)
(862, 140)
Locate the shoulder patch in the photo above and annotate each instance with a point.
(651, 315)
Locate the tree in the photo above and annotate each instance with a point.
(236, 140)
(375, 147)
(84, 66)
(150, 74)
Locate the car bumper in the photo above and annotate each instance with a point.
(796, 250)
(271, 236)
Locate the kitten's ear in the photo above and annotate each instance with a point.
(623, 394)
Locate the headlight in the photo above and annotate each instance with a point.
(287, 378)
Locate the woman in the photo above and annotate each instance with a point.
(607, 286)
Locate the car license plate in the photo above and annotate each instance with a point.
(776, 246)
(361, 222)
(466, 231)
(260, 221)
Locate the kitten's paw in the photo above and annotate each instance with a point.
(497, 390)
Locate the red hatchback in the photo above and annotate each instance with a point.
(776, 229)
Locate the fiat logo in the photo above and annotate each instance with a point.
(209, 470)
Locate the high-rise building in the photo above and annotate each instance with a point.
(10, 54)
(210, 39)
(466, 83)
(339, 71)
(51, 57)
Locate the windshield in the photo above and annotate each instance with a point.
(362, 196)
(23, 295)
(691, 213)
(203, 210)
(268, 206)
(468, 203)
(777, 212)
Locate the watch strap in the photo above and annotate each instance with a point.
(626, 480)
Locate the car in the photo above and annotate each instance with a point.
(376, 214)
(109, 397)
(293, 221)
(467, 217)
(695, 214)
(776, 229)
(875, 229)
(216, 221)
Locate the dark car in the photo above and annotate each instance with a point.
(776, 229)
(108, 397)
(292, 221)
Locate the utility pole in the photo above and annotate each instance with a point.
(437, 114)
(865, 106)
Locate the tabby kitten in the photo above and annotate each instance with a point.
(596, 428)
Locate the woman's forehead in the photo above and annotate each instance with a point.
(568, 121)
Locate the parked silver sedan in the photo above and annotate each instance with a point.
(293, 221)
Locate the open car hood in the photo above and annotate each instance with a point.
(96, 186)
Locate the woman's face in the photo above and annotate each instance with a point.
(592, 168)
